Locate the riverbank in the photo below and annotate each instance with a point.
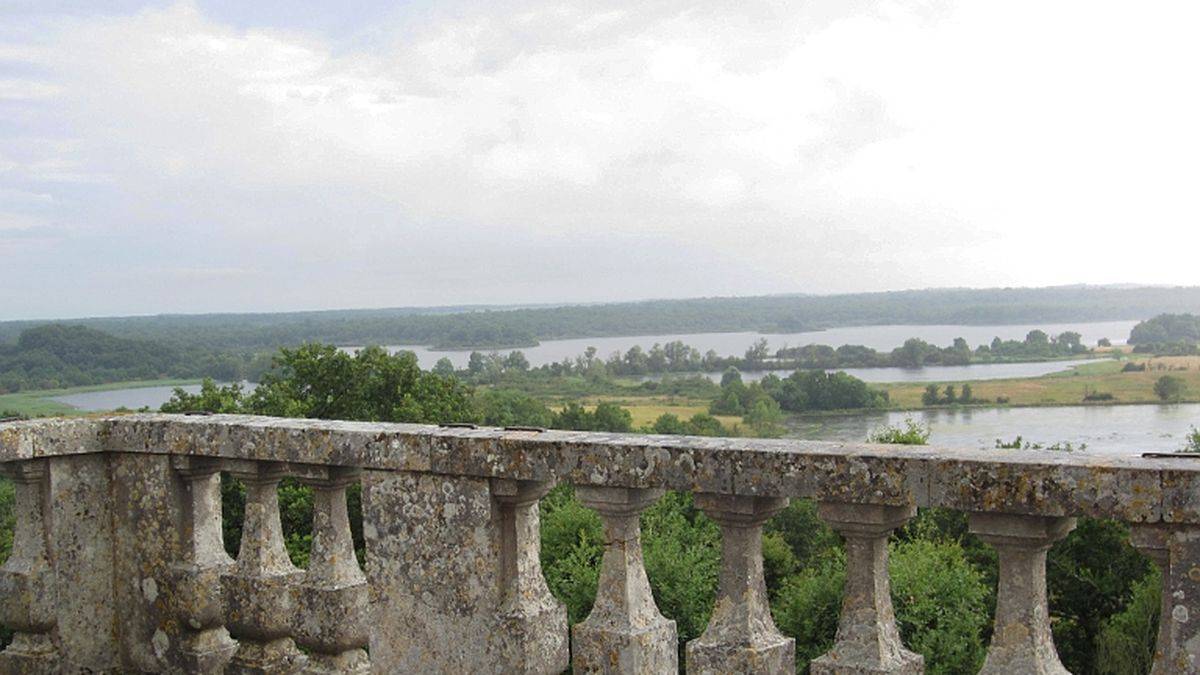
(1067, 388)
(40, 402)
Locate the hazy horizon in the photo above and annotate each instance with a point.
(216, 156)
(448, 308)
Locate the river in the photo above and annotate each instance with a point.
(883, 338)
(1109, 429)
(1124, 428)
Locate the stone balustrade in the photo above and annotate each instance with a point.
(118, 565)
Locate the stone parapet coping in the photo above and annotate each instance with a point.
(1040, 482)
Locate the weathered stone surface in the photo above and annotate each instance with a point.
(454, 578)
(1153, 540)
(204, 643)
(741, 636)
(624, 633)
(81, 550)
(28, 601)
(332, 597)
(139, 547)
(1176, 550)
(258, 590)
(1021, 639)
(868, 642)
(147, 531)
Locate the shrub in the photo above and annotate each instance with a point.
(1169, 388)
(1125, 645)
(807, 608)
(913, 433)
(941, 605)
(1192, 441)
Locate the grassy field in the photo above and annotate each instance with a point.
(646, 409)
(39, 403)
(1070, 387)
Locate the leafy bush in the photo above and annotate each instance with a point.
(1170, 388)
(807, 606)
(1125, 645)
(940, 600)
(1090, 576)
(1192, 441)
(941, 605)
(680, 546)
(913, 433)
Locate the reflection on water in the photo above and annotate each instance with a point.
(883, 338)
(1119, 429)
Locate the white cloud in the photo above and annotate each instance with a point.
(967, 143)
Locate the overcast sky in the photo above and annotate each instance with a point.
(234, 156)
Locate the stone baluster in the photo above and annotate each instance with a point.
(1021, 638)
(741, 637)
(624, 633)
(258, 588)
(867, 638)
(1176, 551)
(27, 591)
(205, 643)
(534, 621)
(333, 594)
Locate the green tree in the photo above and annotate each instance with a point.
(444, 367)
(765, 418)
(211, 398)
(1170, 388)
(932, 395)
(507, 407)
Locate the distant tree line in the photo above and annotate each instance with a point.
(58, 355)
(465, 327)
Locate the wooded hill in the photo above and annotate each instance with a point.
(498, 328)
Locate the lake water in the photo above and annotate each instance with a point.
(1114, 429)
(981, 371)
(883, 338)
(139, 397)
(1122, 429)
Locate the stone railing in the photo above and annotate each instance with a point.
(118, 564)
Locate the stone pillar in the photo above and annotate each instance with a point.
(624, 633)
(332, 596)
(454, 576)
(1176, 551)
(205, 643)
(741, 636)
(868, 641)
(1021, 639)
(258, 588)
(27, 591)
(534, 620)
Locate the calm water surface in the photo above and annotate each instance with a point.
(139, 397)
(1119, 429)
(883, 338)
